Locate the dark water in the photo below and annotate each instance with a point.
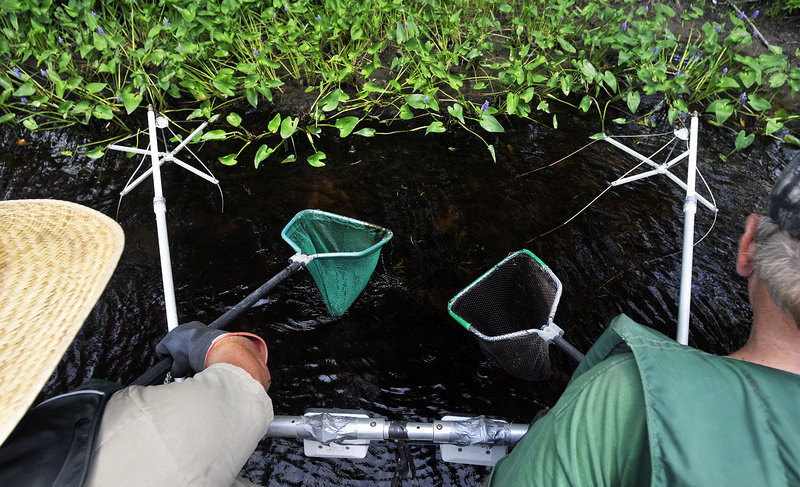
(454, 214)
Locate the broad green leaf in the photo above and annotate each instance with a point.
(229, 160)
(456, 111)
(371, 87)
(316, 159)
(289, 158)
(772, 126)
(436, 127)
(25, 90)
(743, 141)
(289, 127)
(512, 100)
(331, 100)
(365, 132)
(722, 110)
(777, 80)
(7, 117)
(274, 123)
(30, 124)
(103, 112)
(262, 153)
(416, 101)
(758, 103)
(586, 103)
(491, 151)
(633, 99)
(346, 125)
(234, 119)
(490, 124)
(95, 153)
(791, 139)
(131, 101)
(215, 135)
(406, 113)
(95, 87)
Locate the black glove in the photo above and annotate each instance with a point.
(188, 345)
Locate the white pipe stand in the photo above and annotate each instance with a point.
(160, 203)
(689, 210)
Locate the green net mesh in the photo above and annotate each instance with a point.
(345, 253)
(502, 307)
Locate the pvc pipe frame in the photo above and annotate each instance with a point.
(160, 209)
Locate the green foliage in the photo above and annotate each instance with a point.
(427, 62)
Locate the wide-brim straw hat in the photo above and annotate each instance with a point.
(56, 258)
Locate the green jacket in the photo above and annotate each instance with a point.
(643, 410)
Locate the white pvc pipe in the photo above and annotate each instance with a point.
(160, 209)
(689, 210)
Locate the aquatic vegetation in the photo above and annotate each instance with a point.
(359, 66)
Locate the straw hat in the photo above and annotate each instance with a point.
(55, 260)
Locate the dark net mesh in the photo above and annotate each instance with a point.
(517, 294)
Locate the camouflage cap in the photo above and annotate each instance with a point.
(783, 204)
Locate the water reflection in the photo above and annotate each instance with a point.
(454, 214)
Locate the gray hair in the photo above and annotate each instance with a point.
(777, 261)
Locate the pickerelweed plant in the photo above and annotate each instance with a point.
(363, 64)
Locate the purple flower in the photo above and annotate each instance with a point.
(180, 48)
(755, 14)
(625, 25)
(744, 36)
(561, 17)
(655, 49)
(741, 15)
(724, 70)
(405, 25)
(677, 73)
(719, 29)
(646, 9)
(17, 72)
(743, 98)
(285, 8)
(101, 31)
(485, 106)
(319, 18)
(60, 40)
(255, 52)
(426, 99)
(119, 98)
(166, 22)
(44, 73)
(94, 14)
(24, 100)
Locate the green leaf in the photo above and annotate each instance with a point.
(131, 101)
(491, 151)
(490, 124)
(215, 135)
(758, 103)
(743, 141)
(633, 99)
(366, 132)
(722, 110)
(7, 117)
(95, 153)
(406, 113)
(289, 158)
(229, 160)
(416, 101)
(262, 153)
(274, 123)
(346, 125)
(436, 127)
(103, 112)
(331, 100)
(456, 111)
(598, 136)
(371, 87)
(316, 159)
(30, 124)
(772, 126)
(289, 127)
(586, 103)
(791, 139)
(512, 101)
(234, 119)
(25, 90)
(95, 87)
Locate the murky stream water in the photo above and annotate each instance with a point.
(454, 213)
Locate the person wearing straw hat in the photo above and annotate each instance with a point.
(56, 258)
(642, 409)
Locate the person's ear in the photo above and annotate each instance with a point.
(745, 263)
